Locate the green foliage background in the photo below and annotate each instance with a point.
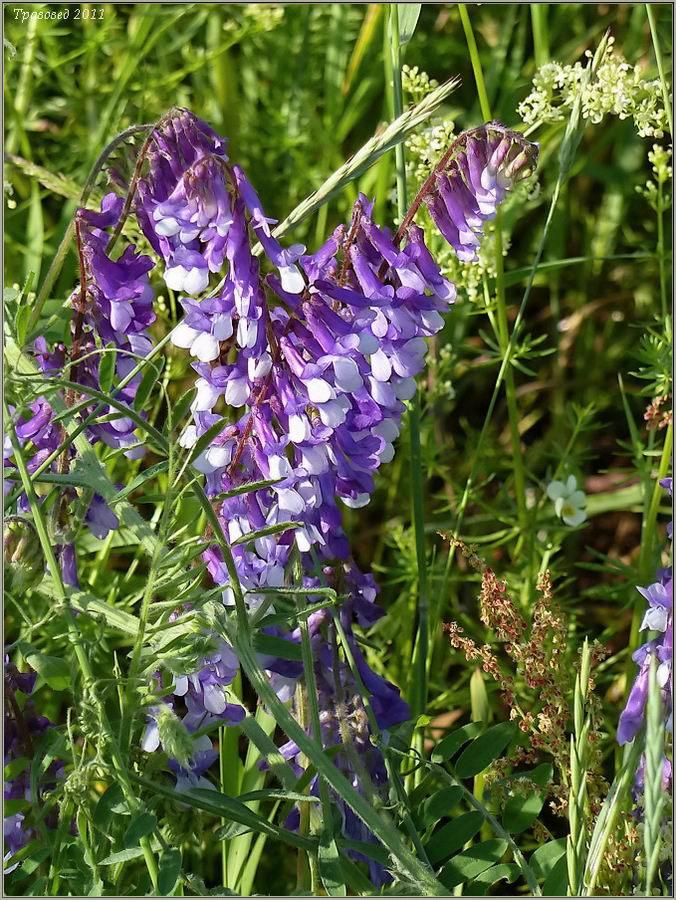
(297, 89)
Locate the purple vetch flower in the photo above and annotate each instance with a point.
(100, 518)
(483, 166)
(658, 618)
(345, 724)
(197, 700)
(318, 357)
(23, 728)
(184, 205)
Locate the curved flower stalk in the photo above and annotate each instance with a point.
(112, 310)
(307, 370)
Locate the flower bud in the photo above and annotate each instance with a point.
(174, 736)
(24, 560)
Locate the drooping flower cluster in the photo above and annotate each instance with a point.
(658, 618)
(23, 728)
(112, 310)
(483, 166)
(317, 357)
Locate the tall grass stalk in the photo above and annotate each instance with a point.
(646, 560)
(418, 691)
(653, 793)
(660, 68)
(578, 807)
(315, 725)
(569, 145)
(607, 817)
(500, 295)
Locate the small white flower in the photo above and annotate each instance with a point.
(569, 502)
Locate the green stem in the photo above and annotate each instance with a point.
(538, 14)
(23, 89)
(315, 722)
(135, 665)
(418, 690)
(240, 638)
(646, 558)
(660, 67)
(503, 328)
(653, 793)
(660, 248)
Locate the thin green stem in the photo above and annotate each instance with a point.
(653, 793)
(649, 526)
(660, 67)
(239, 635)
(135, 665)
(538, 14)
(315, 722)
(646, 560)
(74, 634)
(418, 690)
(501, 301)
(660, 249)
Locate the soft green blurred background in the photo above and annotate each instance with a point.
(297, 89)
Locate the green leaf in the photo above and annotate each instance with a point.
(366, 848)
(330, 869)
(180, 408)
(277, 794)
(408, 19)
(544, 859)
(141, 827)
(15, 767)
(54, 669)
(107, 368)
(440, 805)
(450, 745)
(472, 862)
(148, 381)
(275, 646)
(140, 480)
(484, 750)
(556, 883)
(98, 609)
(505, 871)
(207, 438)
(108, 804)
(264, 532)
(11, 807)
(521, 811)
(121, 857)
(169, 870)
(453, 836)
(21, 322)
(35, 859)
